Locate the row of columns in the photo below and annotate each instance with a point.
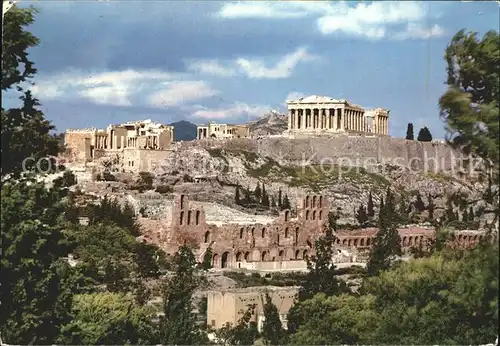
(132, 142)
(202, 133)
(338, 119)
(381, 125)
(101, 141)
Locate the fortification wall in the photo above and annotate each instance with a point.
(345, 150)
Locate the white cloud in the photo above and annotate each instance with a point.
(417, 31)
(178, 93)
(254, 68)
(235, 111)
(122, 88)
(211, 67)
(376, 20)
(294, 95)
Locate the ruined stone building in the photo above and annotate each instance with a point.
(320, 114)
(228, 306)
(128, 140)
(259, 242)
(222, 131)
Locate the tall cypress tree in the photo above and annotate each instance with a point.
(272, 330)
(430, 208)
(370, 207)
(409, 132)
(237, 195)
(280, 198)
(257, 193)
(424, 135)
(386, 246)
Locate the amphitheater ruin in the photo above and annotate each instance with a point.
(265, 243)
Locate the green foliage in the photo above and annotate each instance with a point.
(272, 329)
(237, 195)
(448, 297)
(27, 121)
(386, 246)
(472, 95)
(419, 203)
(430, 208)
(207, 259)
(370, 211)
(409, 132)
(424, 135)
(336, 320)
(258, 192)
(286, 203)
(109, 211)
(36, 292)
(244, 333)
(178, 325)
(108, 319)
(361, 215)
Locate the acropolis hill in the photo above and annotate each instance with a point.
(330, 155)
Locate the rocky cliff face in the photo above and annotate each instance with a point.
(213, 174)
(269, 124)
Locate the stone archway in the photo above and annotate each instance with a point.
(225, 260)
(216, 261)
(264, 256)
(281, 255)
(297, 254)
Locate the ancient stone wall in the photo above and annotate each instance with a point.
(78, 144)
(345, 150)
(286, 238)
(282, 240)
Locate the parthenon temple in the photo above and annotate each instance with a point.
(325, 114)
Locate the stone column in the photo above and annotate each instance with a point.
(289, 119)
(332, 118)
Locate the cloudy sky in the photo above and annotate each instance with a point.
(108, 62)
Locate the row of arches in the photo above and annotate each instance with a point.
(312, 215)
(311, 201)
(189, 217)
(263, 233)
(226, 260)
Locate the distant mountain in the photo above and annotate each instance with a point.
(184, 130)
(272, 123)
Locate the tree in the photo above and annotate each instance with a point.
(470, 106)
(361, 215)
(337, 320)
(419, 203)
(370, 211)
(272, 329)
(409, 132)
(386, 245)
(465, 216)
(248, 197)
(258, 193)
(207, 259)
(37, 291)
(280, 199)
(237, 195)
(244, 333)
(430, 208)
(381, 204)
(178, 325)
(321, 275)
(27, 121)
(424, 135)
(471, 214)
(286, 203)
(108, 319)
